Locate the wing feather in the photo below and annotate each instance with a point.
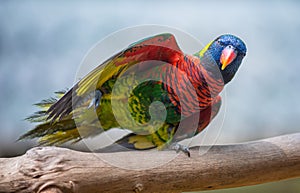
(161, 47)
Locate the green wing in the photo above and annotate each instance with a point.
(62, 120)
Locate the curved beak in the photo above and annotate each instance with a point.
(227, 56)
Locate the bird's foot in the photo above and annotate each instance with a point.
(178, 147)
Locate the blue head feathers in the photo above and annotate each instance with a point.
(228, 52)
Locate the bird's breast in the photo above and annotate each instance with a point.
(190, 87)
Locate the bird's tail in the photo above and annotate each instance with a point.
(51, 132)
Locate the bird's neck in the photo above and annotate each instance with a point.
(204, 71)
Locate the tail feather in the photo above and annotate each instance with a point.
(39, 116)
(60, 137)
(62, 107)
(53, 133)
(50, 132)
(44, 105)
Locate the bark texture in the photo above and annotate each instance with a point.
(56, 170)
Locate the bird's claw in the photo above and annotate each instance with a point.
(178, 147)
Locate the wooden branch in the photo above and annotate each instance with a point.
(53, 169)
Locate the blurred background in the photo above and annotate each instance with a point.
(42, 44)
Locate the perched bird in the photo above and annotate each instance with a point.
(151, 88)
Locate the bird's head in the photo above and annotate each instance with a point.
(228, 52)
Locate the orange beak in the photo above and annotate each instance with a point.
(227, 56)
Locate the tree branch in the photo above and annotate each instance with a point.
(53, 169)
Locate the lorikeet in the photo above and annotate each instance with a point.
(151, 88)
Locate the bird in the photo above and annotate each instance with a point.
(151, 88)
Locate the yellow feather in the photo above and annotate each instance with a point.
(201, 53)
(97, 77)
(141, 142)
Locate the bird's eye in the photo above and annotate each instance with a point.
(219, 42)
